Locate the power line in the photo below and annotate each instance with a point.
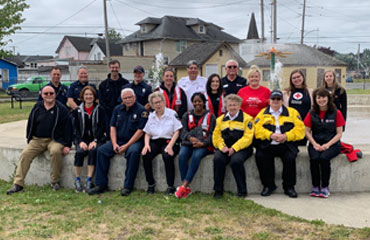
(114, 13)
(197, 7)
(125, 3)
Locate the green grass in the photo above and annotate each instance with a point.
(358, 91)
(39, 213)
(9, 114)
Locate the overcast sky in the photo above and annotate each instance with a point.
(339, 24)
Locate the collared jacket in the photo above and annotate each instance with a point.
(110, 92)
(237, 134)
(80, 117)
(290, 123)
(62, 130)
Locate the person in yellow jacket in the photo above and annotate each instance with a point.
(232, 138)
(278, 130)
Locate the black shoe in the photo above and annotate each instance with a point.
(78, 186)
(15, 188)
(291, 192)
(242, 195)
(97, 190)
(267, 191)
(125, 192)
(218, 195)
(170, 191)
(55, 186)
(150, 190)
(88, 186)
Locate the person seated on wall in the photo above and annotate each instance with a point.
(49, 128)
(196, 141)
(298, 96)
(90, 134)
(324, 128)
(215, 95)
(232, 139)
(278, 128)
(161, 133)
(126, 131)
(174, 95)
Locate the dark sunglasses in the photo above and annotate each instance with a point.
(276, 99)
(233, 66)
(49, 93)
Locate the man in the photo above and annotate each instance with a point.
(193, 82)
(232, 82)
(127, 123)
(278, 128)
(48, 128)
(110, 90)
(60, 89)
(75, 88)
(142, 90)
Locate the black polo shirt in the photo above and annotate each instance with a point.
(233, 86)
(75, 89)
(44, 122)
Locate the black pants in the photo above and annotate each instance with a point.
(237, 166)
(157, 146)
(320, 163)
(81, 154)
(265, 159)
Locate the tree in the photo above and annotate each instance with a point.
(10, 18)
(114, 35)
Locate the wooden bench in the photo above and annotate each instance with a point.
(23, 97)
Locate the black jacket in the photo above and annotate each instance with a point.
(110, 92)
(98, 124)
(184, 102)
(62, 130)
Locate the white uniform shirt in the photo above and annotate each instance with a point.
(276, 115)
(164, 127)
(192, 86)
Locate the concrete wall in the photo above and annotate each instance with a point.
(346, 176)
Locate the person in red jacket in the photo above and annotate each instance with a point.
(255, 97)
(215, 95)
(324, 128)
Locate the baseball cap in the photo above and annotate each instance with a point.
(139, 68)
(276, 93)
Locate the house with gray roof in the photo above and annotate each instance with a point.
(75, 48)
(171, 35)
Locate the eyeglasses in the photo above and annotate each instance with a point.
(276, 99)
(157, 103)
(232, 66)
(49, 93)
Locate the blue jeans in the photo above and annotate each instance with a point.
(188, 172)
(105, 153)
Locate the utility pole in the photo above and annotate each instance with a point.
(275, 27)
(107, 50)
(262, 22)
(358, 60)
(303, 16)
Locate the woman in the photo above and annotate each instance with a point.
(161, 133)
(90, 134)
(337, 91)
(196, 136)
(174, 96)
(298, 96)
(214, 95)
(232, 139)
(255, 97)
(324, 127)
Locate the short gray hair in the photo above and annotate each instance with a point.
(231, 60)
(82, 67)
(154, 95)
(192, 62)
(233, 98)
(125, 90)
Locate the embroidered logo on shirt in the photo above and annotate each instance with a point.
(298, 96)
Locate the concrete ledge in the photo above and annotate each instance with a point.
(346, 176)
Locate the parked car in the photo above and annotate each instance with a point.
(32, 84)
(349, 79)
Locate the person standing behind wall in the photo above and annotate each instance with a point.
(48, 128)
(75, 88)
(60, 89)
(215, 95)
(193, 82)
(110, 90)
(232, 82)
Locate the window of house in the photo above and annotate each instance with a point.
(220, 53)
(338, 74)
(201, 28)
(143, 28)
(266, 75)
(165, 60)
(5, 75)
(180, 45)
(127, 46)
(99, 56)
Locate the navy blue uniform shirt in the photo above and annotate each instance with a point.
(127, 122)
(60, 91)
(75, 89)
(142, 91)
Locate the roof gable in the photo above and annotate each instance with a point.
(82, 44)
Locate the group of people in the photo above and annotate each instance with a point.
(196, 117)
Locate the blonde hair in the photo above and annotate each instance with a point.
(336, 84)
(254, 69)
(154, 95)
